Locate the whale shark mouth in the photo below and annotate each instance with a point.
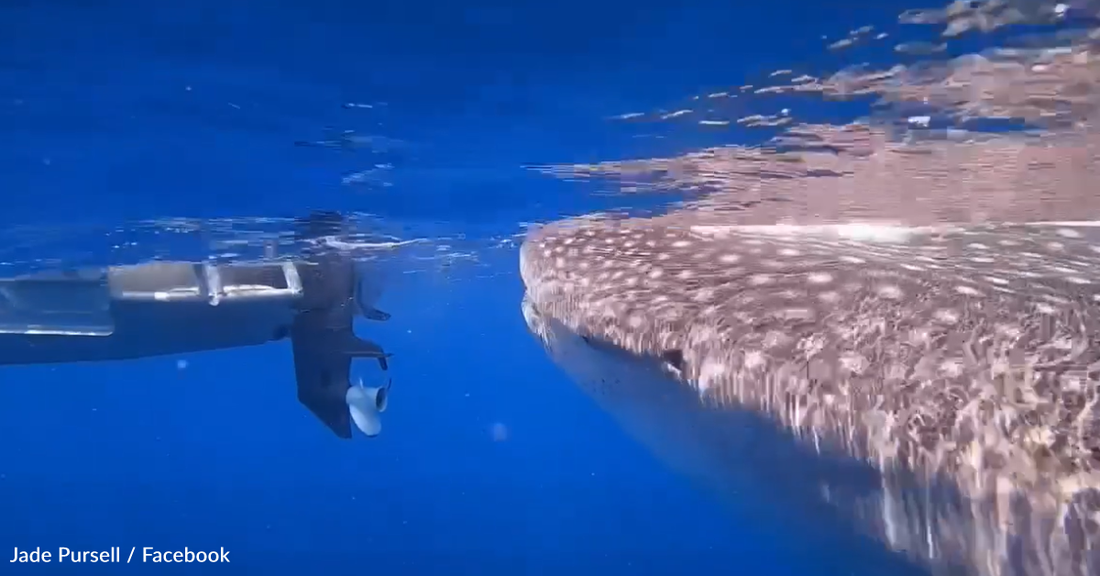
(933, 389)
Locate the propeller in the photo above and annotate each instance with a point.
(366, 404)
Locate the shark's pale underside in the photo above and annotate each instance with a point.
(930, 388)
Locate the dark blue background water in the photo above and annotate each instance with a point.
(115, 111)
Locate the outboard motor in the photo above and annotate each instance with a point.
(323, 340)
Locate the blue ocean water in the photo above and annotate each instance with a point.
(491, 461)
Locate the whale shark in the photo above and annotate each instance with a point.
(924, 390)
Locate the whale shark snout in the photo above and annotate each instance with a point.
(931, 392)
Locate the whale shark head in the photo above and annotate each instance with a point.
(930, 389)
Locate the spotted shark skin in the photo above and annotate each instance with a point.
(933, 389)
